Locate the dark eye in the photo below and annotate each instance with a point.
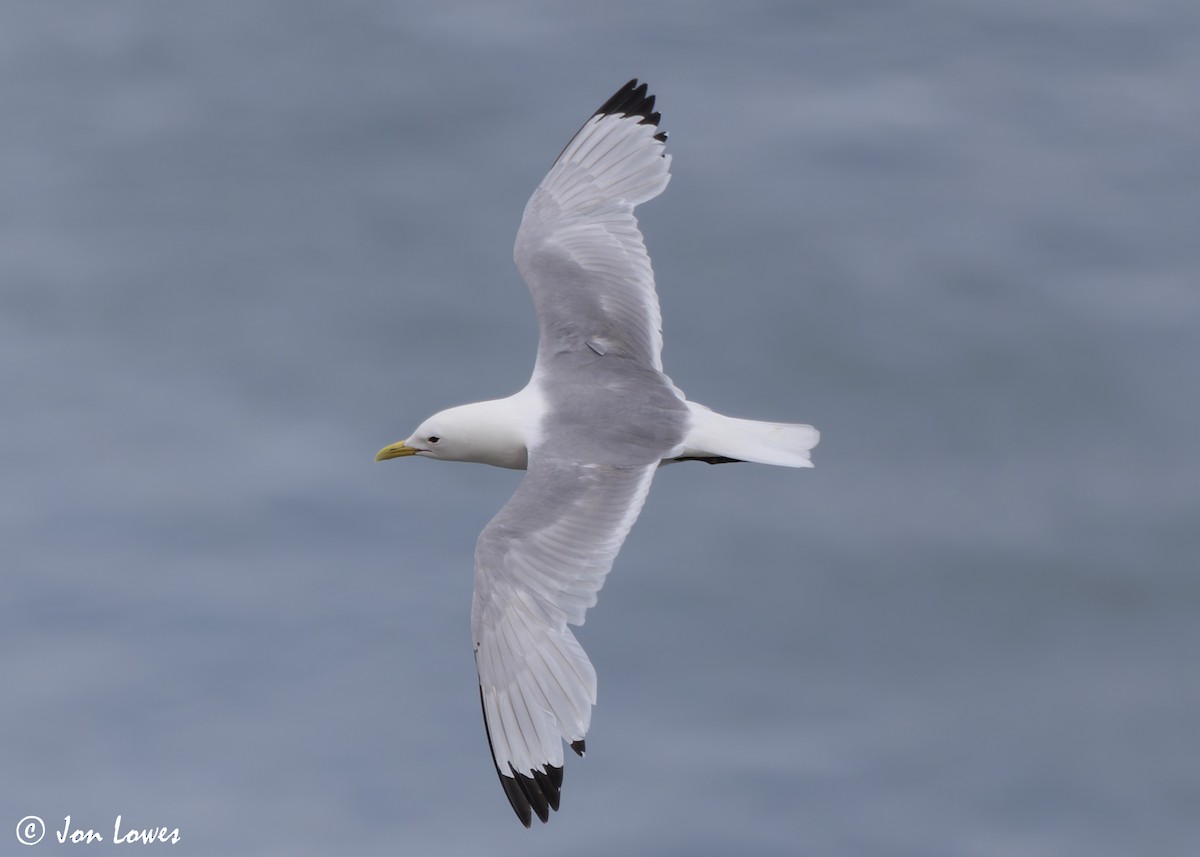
(433, 438)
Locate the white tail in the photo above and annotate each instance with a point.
(714, 435)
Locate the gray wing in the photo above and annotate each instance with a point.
(538, 567)
(579, 247)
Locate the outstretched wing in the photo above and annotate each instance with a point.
(610, 417)
(579, 247)
(538, 567)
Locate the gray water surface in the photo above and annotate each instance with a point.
(245, 245)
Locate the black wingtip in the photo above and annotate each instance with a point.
(550, 785)
(533, 795)
(528, 795)
(710, 459)
(632, 100)
(579, 747)
(517, 799)
(535, 798)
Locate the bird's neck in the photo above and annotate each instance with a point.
(502, 429)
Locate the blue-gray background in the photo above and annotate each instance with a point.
(246, 244)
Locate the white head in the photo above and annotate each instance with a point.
(482, 432)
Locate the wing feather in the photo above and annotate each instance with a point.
(579, 247)
(538, 566)
(611, 417)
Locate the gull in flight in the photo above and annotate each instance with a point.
(590, 429)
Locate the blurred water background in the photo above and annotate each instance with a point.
(246, 244)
